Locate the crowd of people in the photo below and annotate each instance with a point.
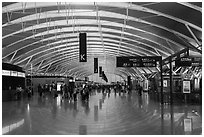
(68, 91)
(71, 91)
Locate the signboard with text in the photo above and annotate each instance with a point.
(186, 86)
(165, 83)
(82, 47)
(100, 71)
(95, 65)
(137, 61)
(184, 61)
(196, 61)
(180, 54)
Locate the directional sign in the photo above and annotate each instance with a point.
(82, 47)
(197, 61)
(177, 55)
(184, 61)
(100, 71)
(189, 61)
(137, 61)
(95, 65)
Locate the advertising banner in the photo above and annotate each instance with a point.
(186, 86)
(164, 83)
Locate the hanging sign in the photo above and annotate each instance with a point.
(184, 61)
(186, 86)
(100, 71)
(197, 61)
(21, 74)
(137, 61)
(95, 65)
(180, 54)
(14, 73)
(82, 47)
(6, 73)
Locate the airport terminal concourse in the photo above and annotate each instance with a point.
(101, 68)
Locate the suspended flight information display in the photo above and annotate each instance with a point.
(137, 61)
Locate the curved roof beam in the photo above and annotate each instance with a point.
(18, 6)
(78, 13)
(64, 57)
(191, 6)
(62, 49)
(62, 37)
(87, 28)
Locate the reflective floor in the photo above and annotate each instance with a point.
(106, 114)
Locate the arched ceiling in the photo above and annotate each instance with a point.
(46, 34)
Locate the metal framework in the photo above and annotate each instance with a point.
(45, 35)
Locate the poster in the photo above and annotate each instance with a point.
(146, 85)
(187, 124)
(164, 83)
(186, 86)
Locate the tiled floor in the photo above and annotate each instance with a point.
(102, 115)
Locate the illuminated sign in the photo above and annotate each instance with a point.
(184, 61)
(164, 83)
(20, 74)
(137, 61)
(14, 73)
(186, 86)
(5, 72)
(187, 124)
(188, 61)
(196, 61)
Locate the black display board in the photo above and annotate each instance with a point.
(137, 61)
(177, 55)
(188, 61)
(82, 48)
(6, 66)
(104, 76)
(196, 61)
(100, 71)
(95, 65)
(184, 61)
(11, 82)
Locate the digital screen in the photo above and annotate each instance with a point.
(148, 61)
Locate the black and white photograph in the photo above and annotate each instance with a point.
(101, 68)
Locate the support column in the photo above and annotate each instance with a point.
(171, 81)
(161, 80)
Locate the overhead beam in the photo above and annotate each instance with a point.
(173, 57)
(189, 29)
(189, 45)
(28, 61)
(13, 56)
(191, 6)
